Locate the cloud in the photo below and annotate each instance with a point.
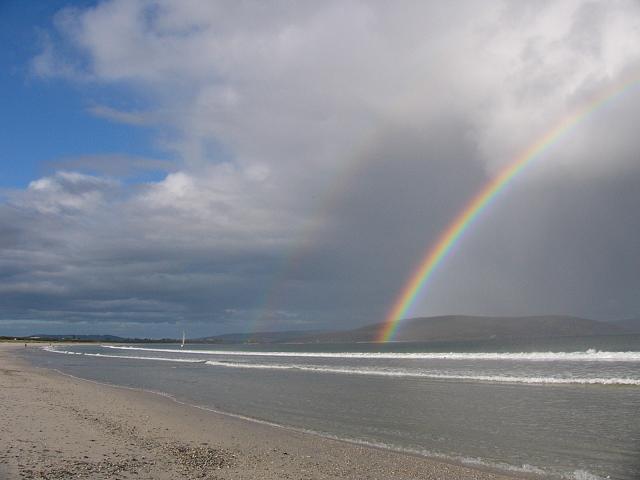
(130, 118)
(65, 192)
(113, 165)
(322, 147)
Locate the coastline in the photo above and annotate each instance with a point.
(58, 426)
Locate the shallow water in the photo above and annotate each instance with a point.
(571, 413)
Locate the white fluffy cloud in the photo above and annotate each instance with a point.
(303, 85)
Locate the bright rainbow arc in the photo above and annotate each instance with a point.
(436, 254)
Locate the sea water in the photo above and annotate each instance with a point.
(565, 408)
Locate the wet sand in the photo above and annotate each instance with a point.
(54, 426)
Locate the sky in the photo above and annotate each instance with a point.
(220, 167)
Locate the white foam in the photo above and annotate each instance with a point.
(418, 374)
(584, 475)
(380, 372)
(161, 359)
(590, 355)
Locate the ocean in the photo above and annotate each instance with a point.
(555, 408)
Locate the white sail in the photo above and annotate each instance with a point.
(181, 346)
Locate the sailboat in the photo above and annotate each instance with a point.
(182, 345)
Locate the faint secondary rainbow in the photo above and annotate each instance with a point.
(437, 252)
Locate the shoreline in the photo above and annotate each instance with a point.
(143, 434)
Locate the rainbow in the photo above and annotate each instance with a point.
(437, 252)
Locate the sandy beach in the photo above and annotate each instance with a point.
(55, 427)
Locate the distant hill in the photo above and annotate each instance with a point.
(258, 337)
(423, 329)
(463, 327)
(632, 325)
(46, 337)
(72, 337)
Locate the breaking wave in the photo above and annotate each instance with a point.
(161, 359)
(590, 355)
(379, 371)
(440, 376)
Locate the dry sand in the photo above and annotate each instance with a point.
(56, 427)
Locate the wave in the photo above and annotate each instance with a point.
(439, 376)
(161, 359)
(380, 372)
(590, 355)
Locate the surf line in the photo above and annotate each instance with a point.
(438, 251)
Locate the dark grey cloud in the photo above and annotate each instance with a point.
(352, 133)
(564, 247)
